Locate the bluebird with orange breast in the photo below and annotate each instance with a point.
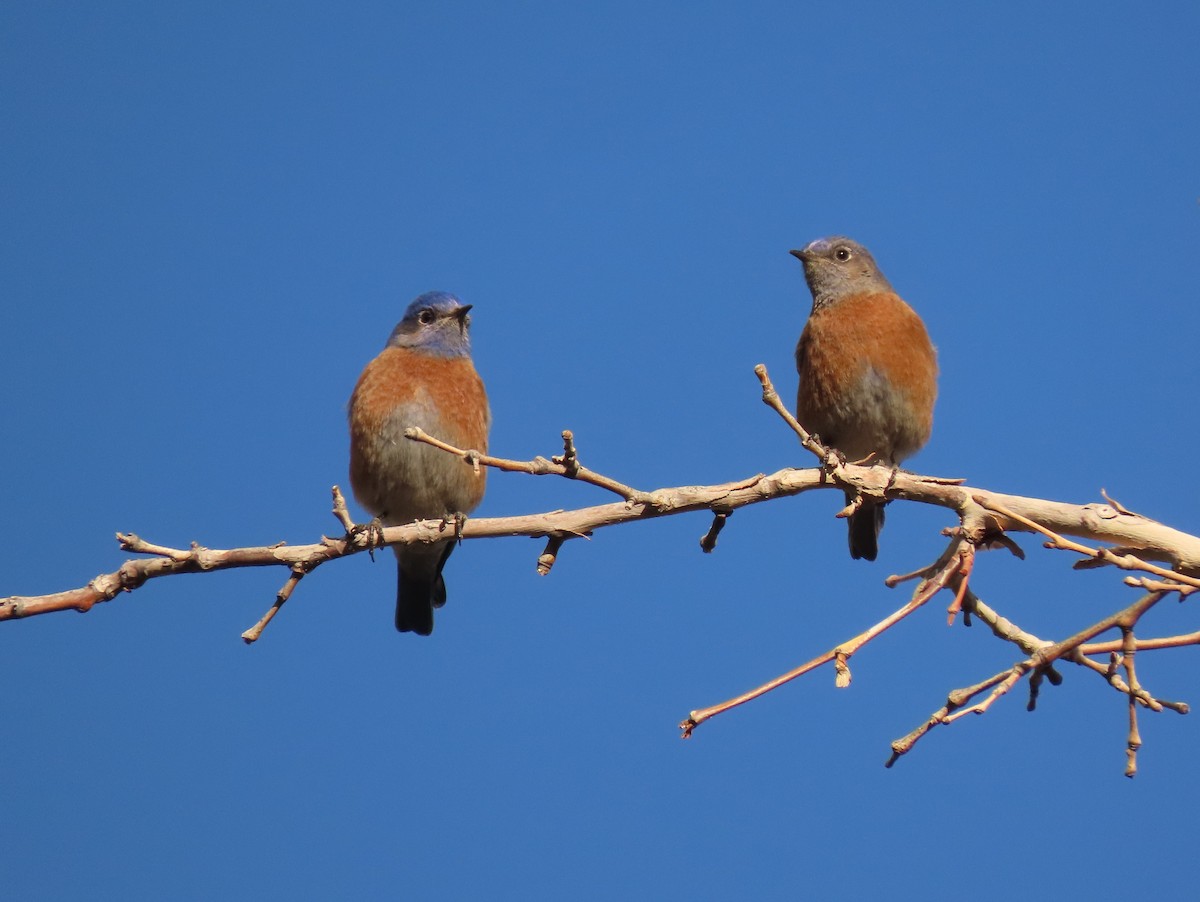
(868, 372)
(424, 377)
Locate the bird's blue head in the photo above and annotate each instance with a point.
(435, 323)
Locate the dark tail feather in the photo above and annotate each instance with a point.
(414, 603)
(417, 594)
(865, 524)
(439, 584)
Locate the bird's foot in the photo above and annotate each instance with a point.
(373, 532)
(895, 471)
(459, 519)
(834, 459)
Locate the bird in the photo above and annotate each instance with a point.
(868, 371)
(424, 377)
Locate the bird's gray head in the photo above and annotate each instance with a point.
(838, 267)
(435, 323)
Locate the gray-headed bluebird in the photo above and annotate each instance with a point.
(423, 377)
(868, 372)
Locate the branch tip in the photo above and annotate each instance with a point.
(548, 557)
(708, 541)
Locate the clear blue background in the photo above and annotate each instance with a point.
(213, 214)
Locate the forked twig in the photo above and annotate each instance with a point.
(939, 575)
(567, 465)
(1040, 660)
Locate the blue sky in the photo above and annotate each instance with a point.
(213, 215)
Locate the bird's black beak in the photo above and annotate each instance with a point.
(461, 315)
(799, 255)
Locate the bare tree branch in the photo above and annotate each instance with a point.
(985, 518)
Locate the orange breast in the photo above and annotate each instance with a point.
(405, 479)
(868, 377)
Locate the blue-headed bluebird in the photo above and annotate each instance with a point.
(424, 377)
(868, 372)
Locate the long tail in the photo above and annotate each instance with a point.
(419, 588)
(865, 524)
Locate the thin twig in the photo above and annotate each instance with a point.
(828, 458)
(340, 511)
(251, 635)
(840, 654)
(1135, 736)
(567, 466)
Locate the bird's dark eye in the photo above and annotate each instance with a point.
(842, 254)
(425, 317)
